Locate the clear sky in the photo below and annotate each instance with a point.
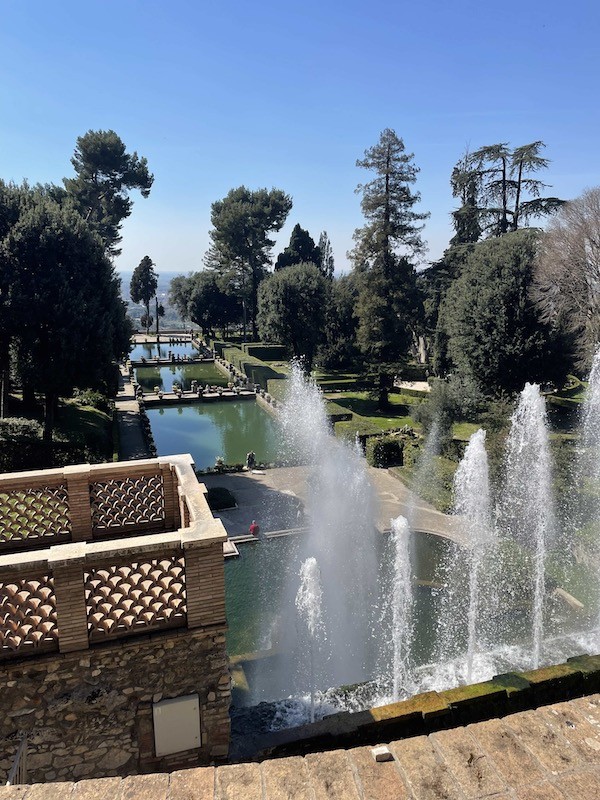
(287, 94)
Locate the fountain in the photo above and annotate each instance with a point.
(478, 608)
(472, 506)
(402, 600)
(339, 511)
(308, 604)
(527, 507)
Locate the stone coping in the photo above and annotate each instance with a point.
(550, 753)
(431, 711)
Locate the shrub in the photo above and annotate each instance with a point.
(88, 397)
(15, 429)
(219, 498)
(385, 451)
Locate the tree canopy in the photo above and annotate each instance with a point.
(64, 301)
(498, 190)
(291, 309)
(241, 247)
(144, 282)
(567, 272)
(495, 335)
(388, 305)
(105, 174)
(301, 250)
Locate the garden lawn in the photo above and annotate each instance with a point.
(362, 405)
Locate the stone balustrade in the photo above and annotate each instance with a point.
(123, 549)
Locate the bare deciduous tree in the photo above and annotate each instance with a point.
(567, 271)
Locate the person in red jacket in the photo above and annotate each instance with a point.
(253, 530)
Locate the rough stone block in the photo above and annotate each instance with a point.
(98, 789)
(424, 771)
(551, 749)
(584, 785)
(192, 784)
(238, 782)
(377, 780)
(51, 791)
(514, 763)
(145, 787)
(468, 763)
(331, 776)
(286, 779)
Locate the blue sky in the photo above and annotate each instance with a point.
(289, 94)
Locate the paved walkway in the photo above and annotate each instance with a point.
(132, 444)
(276, 498)
(550, 753)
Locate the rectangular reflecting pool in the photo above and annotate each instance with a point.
(207, 430)
(149, 350)
(184, 374)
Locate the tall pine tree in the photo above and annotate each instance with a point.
(388, 306)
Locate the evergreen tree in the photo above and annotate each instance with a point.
(291, 309)
(66, 298)
(388, 306)
(142, 288)
(241, 247)
(495, 335)
(105, 174)
(326, 253)
(498, 191)
(301, 250)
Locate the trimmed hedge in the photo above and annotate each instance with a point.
(385, 451)
(254, 369)
(277, 388)
(266, 352)
(219, 498)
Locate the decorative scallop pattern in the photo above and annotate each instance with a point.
(41, 513)
(135, 597)
(127, 502)
(28, 616)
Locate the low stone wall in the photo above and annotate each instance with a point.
(89, 714)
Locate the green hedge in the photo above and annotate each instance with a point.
(254, 369)
(277, 388)
(563, 402)
(219, 498)
(384, 451)
(414, 372)
(266, 352)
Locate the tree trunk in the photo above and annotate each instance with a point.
(518, 198)
(28, 395)
(50, 400)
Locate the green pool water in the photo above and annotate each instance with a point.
(228, 428)
(150, 350)
(184, 374)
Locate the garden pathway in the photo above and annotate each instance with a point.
(132, 445)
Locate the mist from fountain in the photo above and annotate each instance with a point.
(341, 535)
(589, 462)
(308, 604)
(402, 602)
(527, 508)
(472, 505)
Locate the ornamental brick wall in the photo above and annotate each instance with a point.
(89, 713)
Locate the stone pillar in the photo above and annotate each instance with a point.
(205, 584)
(71, 608)
(80, 511)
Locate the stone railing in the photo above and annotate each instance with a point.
(86, 587)
(84, 503)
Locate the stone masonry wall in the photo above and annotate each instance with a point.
(89, 713)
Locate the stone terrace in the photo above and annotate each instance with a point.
(550, 753)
